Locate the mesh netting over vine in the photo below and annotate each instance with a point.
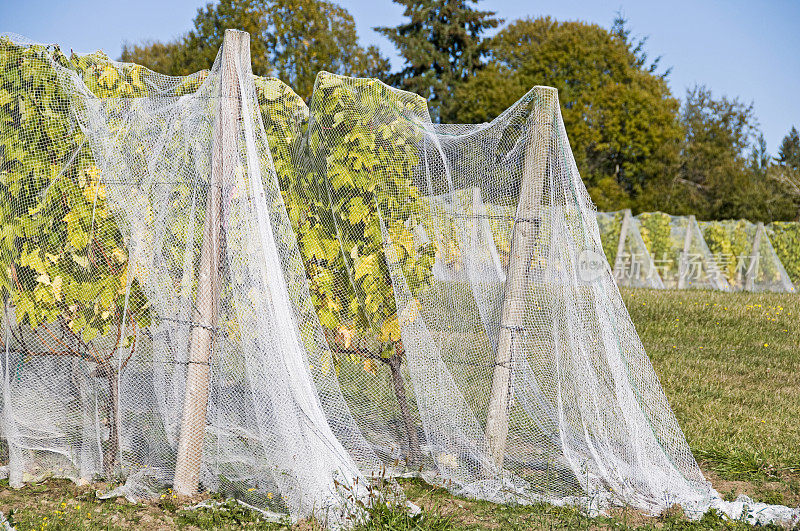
(206, 282)
(680, 253)
(784, 236)
(157, 320)
(624, 247)
(745, 256)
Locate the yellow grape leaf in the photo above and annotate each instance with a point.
(70, 217)
(452, 253)
(333, 305)
(406, 240)
(34, 261)
(56, 285)
(109, 77)
(365, 266)
(345, 335)
(371, 367)
(136, 75)
(94, 190)
(118, 254)
(81, 261)
(390, 330)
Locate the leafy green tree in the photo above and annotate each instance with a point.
(716, 129)
(759, 156)
(717, 133)
(789, 150)
(617, 108)
(637, 46)
(157, 56)
(198, 48)
(309, 36)
(717, 179)
(443, 46)
(786, 171)
(292, 39)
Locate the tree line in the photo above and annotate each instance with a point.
(635, 143)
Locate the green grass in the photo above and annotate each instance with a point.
(729, 364)
(467, 514)
(60, 505)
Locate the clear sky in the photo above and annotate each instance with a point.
(740, 48)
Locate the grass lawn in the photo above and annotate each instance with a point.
(730, 366)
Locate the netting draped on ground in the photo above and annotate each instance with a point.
(205, 281)
(533, 386)
(624, 248)
(745, 256)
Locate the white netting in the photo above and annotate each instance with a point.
(784, 236)
(624, 247)
(205, 281)
(554, 348)
(156, 308)
(745, 256)
(679, 252)
(439, 220)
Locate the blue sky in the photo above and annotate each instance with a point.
(746, 49)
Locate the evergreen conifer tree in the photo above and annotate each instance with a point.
(443, 46)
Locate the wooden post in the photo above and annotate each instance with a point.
(236, 45)
(684, 263)
(623, 233)
(752, 268)
(526, 225)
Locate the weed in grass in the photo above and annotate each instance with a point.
(168, 501)
(729, 495)
(396, 517)
(229, 514)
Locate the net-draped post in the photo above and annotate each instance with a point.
(752, 270)
(623, 234)
(684, 258)
(190, 447)
(522, 240)
(746, 259)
